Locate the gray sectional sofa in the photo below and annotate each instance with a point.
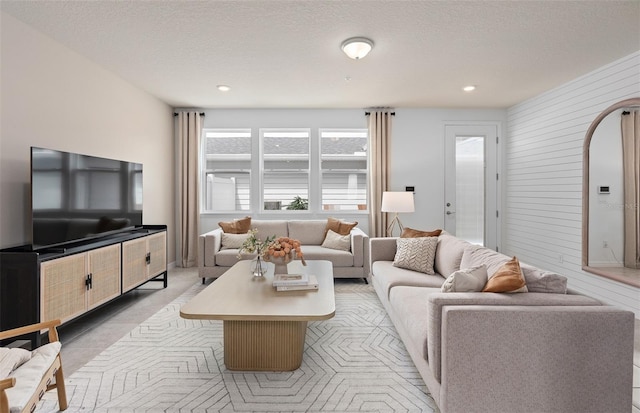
(546, 350)
(214, 260)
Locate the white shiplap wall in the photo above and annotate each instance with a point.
(543, 169)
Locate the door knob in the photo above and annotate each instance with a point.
(451, 212)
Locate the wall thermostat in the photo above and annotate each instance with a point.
(603, 189)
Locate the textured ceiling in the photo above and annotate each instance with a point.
(286, 54)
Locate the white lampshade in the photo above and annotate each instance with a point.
(397, 202)
(357, 47)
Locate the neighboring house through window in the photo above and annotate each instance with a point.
(292, 169)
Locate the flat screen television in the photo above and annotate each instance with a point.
(76, 197)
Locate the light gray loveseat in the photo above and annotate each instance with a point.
(214, 261)
(539, 351)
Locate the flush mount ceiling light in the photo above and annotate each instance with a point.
(223, 88)
(469, 88)
(357, 47)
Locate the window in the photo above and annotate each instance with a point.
(285, 168)
(293, 169)
(344, 169)
(226, 179)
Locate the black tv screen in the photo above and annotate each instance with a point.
(76, 197)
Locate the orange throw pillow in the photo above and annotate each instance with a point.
(339, 227)
(414, 233)
(508, 279)
(237, 226)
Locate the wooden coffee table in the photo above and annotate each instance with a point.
(264, 329)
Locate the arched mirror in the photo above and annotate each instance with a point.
(611, 194)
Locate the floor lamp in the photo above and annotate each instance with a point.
(396, 202)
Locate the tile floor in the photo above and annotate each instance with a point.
(86, 338)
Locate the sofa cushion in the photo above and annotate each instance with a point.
(410, 306)
(232, 240)
(308, 232)
(387, 276)
(449, 254)
(267, 228)
(416, 254)
(237, 226)
(508, 279)
(340, 227)
(228, 258)
(337, 258)
(415, 233)
(466, 280)
(337, 242)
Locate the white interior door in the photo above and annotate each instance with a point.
(471, 189)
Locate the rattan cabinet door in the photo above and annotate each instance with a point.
(157, 246)
(134, 263)
(104, 269)
(63, 287)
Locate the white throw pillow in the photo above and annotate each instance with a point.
(336, 241)
(233, 241)
(11, 359)
(417, 254)
(467, 280)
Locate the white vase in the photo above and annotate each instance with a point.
(281, 265)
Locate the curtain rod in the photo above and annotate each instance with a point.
(175, 114)
(369, 113)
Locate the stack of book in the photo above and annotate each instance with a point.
(295, 282)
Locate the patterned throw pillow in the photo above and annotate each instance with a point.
(468, 280)
(416, 254)
(508, 279)
(237, 226)
(232, 241)
(337, 242)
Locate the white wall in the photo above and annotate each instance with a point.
(543, 187)
(417, 153)
(54, 98)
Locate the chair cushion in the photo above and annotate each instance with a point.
(29, 375)
(11, 359)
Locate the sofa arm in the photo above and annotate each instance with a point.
(536, 359)
(382, 249)
(437, 302)
(208, 244)
(359, 241)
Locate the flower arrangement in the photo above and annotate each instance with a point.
(285, 248)
(272, 248)
(254, 245)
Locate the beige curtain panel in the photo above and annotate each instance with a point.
(631, 167)
(380, 127)
(188, 144)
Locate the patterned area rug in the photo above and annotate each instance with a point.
(352, 362)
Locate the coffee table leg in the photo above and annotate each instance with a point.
(264, 345)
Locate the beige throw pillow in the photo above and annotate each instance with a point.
(467, 280)
(232, 241)
(237, 226)
(508, 279)
(416, 254)
(337, 242)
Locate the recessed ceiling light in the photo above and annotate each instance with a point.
(357, 47)
(469, 88)
(223, 88)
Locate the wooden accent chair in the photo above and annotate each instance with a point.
(28, 383)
